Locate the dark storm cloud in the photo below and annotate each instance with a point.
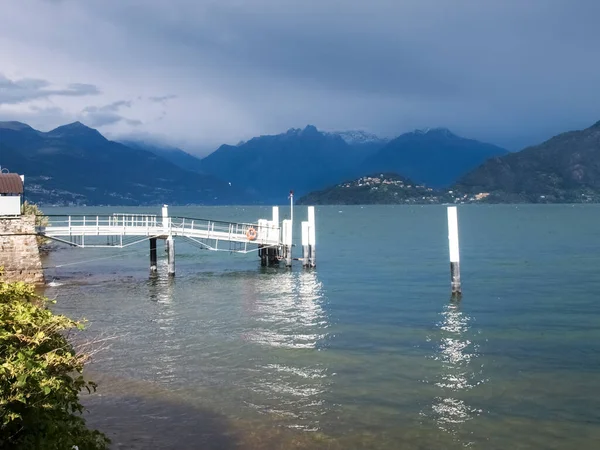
(97, 116)
(488, 68)
(27, 89)
(509, 71)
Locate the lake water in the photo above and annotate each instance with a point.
(366, 351)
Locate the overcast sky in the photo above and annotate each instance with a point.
(199, 73)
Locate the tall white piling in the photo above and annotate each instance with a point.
(165, 219)
(312, 236)
(454, 251)
(305, 245)
(166, 225)
(287, 242)
(276, 216)
(292, 206)
(171, 256)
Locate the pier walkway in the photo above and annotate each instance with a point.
(272, 240)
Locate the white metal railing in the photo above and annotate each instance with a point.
(99, 222)
(145, 224)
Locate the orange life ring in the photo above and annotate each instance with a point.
(251, 234)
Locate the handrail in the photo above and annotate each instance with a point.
(142, 224)
(120, 217)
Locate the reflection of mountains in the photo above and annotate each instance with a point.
(455, 353)
(290, 323)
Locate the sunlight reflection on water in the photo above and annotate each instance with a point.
(456, 353)
(287, 310)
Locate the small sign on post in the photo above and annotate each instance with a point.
(454, 251)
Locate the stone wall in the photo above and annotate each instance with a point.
(19, 253)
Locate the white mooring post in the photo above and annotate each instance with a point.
(292, 207)
(454, 251)
(288, 261)
(165, 218)
(287, 242)
(171, 256)
(312, 236)
(305, 245)
(276, 216)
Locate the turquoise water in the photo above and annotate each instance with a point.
(365, 351)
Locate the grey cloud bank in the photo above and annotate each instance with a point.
(204, 73)
(27, 89)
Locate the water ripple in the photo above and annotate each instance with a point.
(456, 352)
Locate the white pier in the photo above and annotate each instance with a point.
(270, 239)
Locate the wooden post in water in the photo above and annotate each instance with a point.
(153, 258)
(171, 256)
(454, 251)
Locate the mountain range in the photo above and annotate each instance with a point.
(174, 155)
(300, 159)
(565, 168)
(75, 164)
(435, 157)
(308, 159)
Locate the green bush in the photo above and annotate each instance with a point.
(40, 376)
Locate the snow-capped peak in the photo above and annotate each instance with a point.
(436, 130)
(354, 137)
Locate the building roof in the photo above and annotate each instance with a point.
(11, 183)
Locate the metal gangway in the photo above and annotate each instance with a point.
(270, 239)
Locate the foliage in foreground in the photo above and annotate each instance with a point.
(40, 376)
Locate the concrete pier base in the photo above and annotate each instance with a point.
(19, 252)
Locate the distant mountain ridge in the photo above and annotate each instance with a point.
(565, 168)
(75, 164)
(174, 155)
(358, 137)
(434, 156)
(270, 166)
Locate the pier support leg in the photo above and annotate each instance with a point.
(306, 256)
(153, 258)
(171, 256)
(454, 252)
(263, 254)
(455, 279)
(272, 259)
